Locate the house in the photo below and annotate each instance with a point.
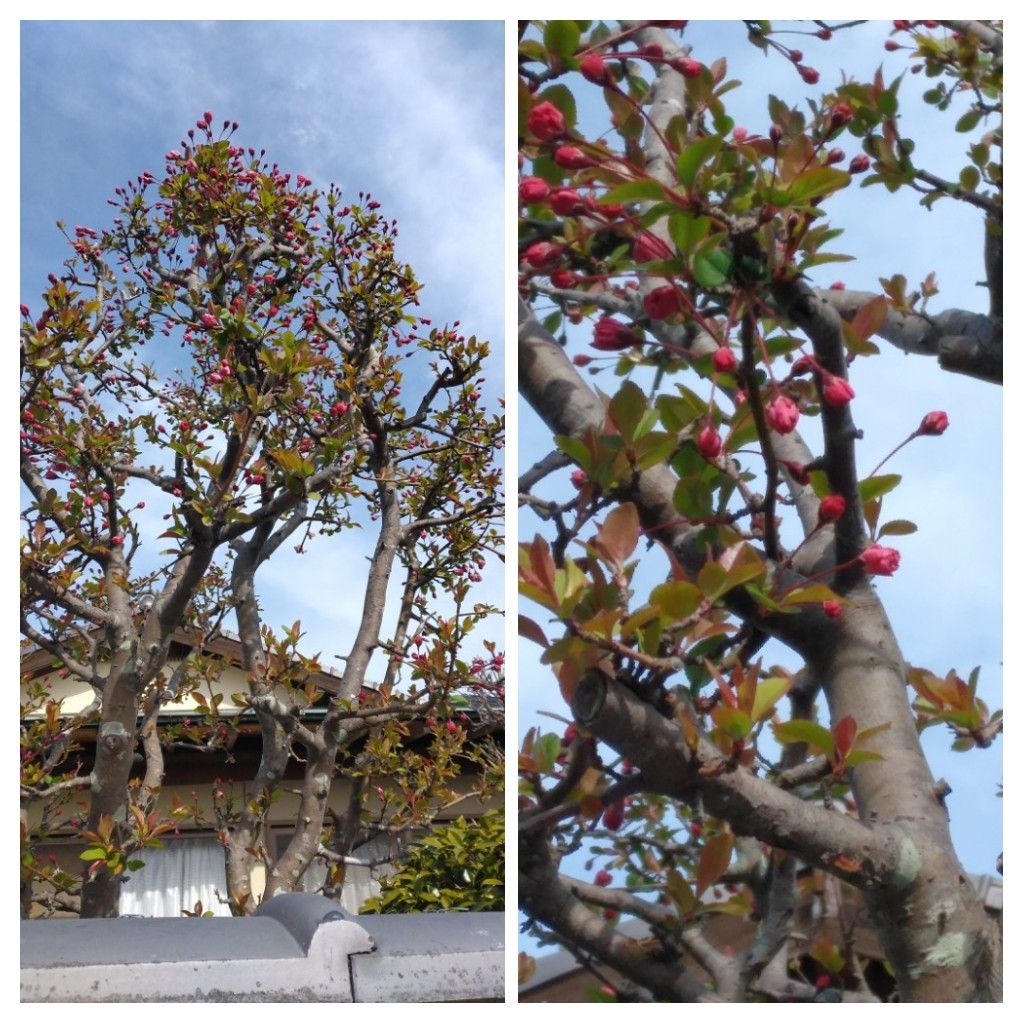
(189, 868)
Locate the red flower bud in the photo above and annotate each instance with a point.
(542, 254)
(571, 158)
(208, 320)
(614, 815)
(775, 134)
(835, 156)
(824, 33)
(533, 190)
(662, 302)
(648, 247)
(891, 45)
(798, 472)
(593, 69)
(836, 391)
(603, 877)
(724, 361)
(611, 335)
(880, 561)
(579, 479)
(796, 56)
(24, 309)
(933, 424)
(546, 121)
(809, 75)
(581, 360)
(566, 201)
(833, 609)
(782, 414)
(709, 443)
(563, 278)
(831, 508)
(859, 164)
(688, 67)
(837, 286)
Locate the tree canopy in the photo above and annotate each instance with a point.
(727, 456)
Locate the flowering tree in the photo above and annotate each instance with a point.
(244, 347)
(691, 766)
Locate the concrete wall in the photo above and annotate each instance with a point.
(299, 947)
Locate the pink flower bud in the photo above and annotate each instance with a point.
(611, 335)
(546, 121)
(579, 479)
(782, 414)
(880, 561)
(571, 158)
(833, 609)
(831, 508)
(797, 471)
(836, 391)
(835, 156)
(614, 815)
(208, 320)
(709, 443)
(533, 190)
(648, 247)
(688, 67)
(662, 302)
(724, 360)
(563, 278)
(592, 68)
(842, 114)
(566, 202)
(542, 254)
(933, 424)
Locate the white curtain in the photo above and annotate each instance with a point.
(177, 875)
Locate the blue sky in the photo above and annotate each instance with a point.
(945, 602)
(418, 123)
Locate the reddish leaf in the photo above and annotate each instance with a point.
(845, 732)
(870, 317)
(714, 859)
(617, 538)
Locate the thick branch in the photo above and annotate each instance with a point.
(964, 342)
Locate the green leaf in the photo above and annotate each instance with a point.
(969, 178)
(546, 750)
(687, 230)
(677, 600)
(93, 853)
(689, 162)
(734, 722)
(712, 580)
(680, 892)
(561, 38)
(969, 120)
(813, 593)
(767, 695)
(800, 730)
(627, 408)
(818, 181)
(876, 486)
(712, 269)
(897, 528)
